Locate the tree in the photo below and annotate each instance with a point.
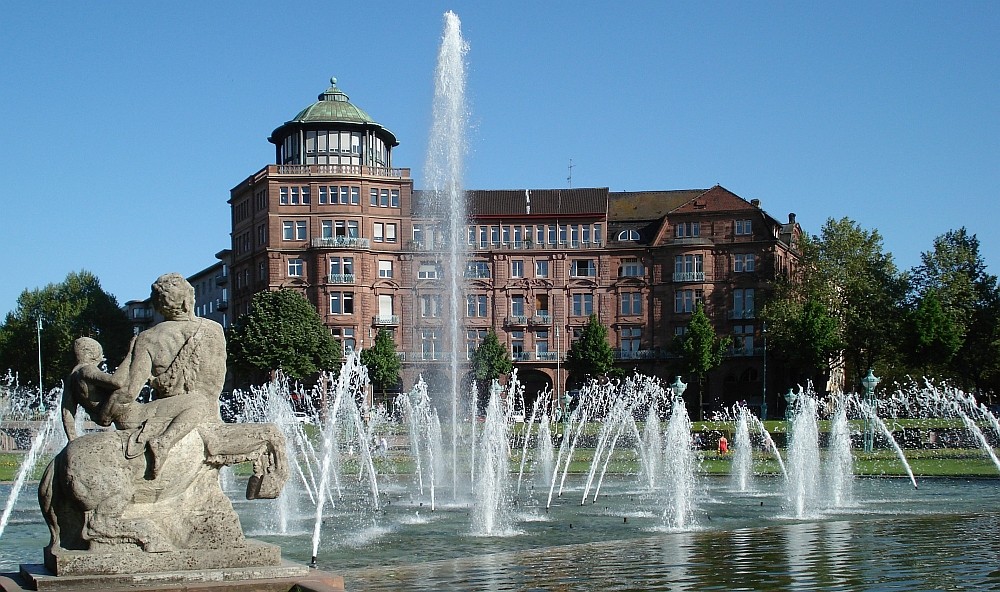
(491, 360)
(801, 332)
(382, 362)
(951, 286)
(701, 350)
(282, 330)
(75, 307)
(591, 355)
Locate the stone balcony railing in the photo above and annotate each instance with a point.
(542, 319)
(689, 276)
(737, 314)
(341, 242)
(338, 169)
(517, 320)
(385, 320)
(340, 278)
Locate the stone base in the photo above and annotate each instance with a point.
(132, 560)
(279, 578)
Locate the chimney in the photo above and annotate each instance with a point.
(755, 203)
(791, 217)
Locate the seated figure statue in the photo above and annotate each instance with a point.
(152, 483)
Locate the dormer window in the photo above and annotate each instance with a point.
(628, 235)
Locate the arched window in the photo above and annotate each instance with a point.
(628, 235)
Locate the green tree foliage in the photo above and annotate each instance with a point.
(801, 332)
(75, 307)
(590, 355)
(956, 325)
(282, 330)
(701, 350)
(382, 361)
(491, 360)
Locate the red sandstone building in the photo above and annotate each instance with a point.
(335, 220)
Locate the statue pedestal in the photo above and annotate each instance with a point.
(276, 578)
(128, 561)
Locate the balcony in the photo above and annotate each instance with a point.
(738, 314)
(528, 245)
(689, 276)
(385, 320)
(340, 278)
(425, 356)
(338, 169)
(640, 354)
(477, 274)
(547, 356)
(541, 318)
(745, 352)
(517, 320)
(221, 304)
(222, 279)
(521, 356)
(341, 242)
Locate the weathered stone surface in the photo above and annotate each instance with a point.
(145, 497)
(278, 578)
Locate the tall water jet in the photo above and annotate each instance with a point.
(680, 463)
(444, 178)
(840, 461)
(742, 469)
(651, 447)
(803, 456)
(490, 510)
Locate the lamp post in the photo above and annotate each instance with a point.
(677, 389)
(763, 381)
(38, 336)
(869, 383)
(558, 360)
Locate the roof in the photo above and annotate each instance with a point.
(648, 205)
(333, 106)
(533, 202)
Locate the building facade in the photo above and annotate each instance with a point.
(333, 219)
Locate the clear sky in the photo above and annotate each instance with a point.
(126, 123)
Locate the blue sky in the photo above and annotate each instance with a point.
(126, 124)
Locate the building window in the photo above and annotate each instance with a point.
(631, 303)
(430, 345)
(689, 268)
(583, 305)
(542, 305)
(430, 305)
(628, 235)
(355, 195)
(478, 305)
(293, 230)
(744, 263)
(685, 301)
(631, 268)
(517, 345)
(743, 227)
(517, 305)
(583, 268)
(477, 269)
(516, 268)
(390, 233)
(743, 340)
(427, 271)
(374, 197)
(321, 193)
(261, 273)
(687, 230)
(474, 337)
(262, 235)
(542, 269)
(630, 338)
(345, 335)
(743, 303)
(384, 269)
(342, 268)
(542, 344)
(552, 235)
(341, 303)
(394, 198)
(294, 268)
(378, 234)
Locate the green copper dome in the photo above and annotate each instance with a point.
(333, 110)
(333, 106)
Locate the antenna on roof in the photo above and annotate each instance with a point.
(569, 179)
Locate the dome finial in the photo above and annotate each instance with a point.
(333, 80)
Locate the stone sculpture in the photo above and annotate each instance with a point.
(145, 496)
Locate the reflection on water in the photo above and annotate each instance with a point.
(884, 554)
(941, 537)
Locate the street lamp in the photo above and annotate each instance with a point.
(790, 398)
(677, 389)
(869, 383)
(38, 337)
